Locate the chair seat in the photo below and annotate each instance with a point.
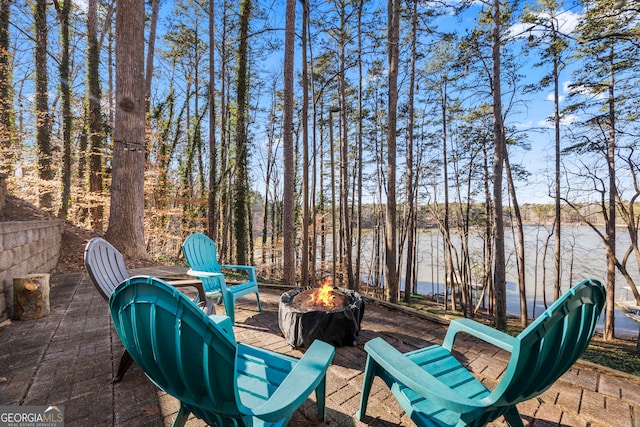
(260, 373)
(243, 288)
(443, 365)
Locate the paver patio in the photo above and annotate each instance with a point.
(69, 357)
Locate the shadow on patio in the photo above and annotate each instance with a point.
(69, 357)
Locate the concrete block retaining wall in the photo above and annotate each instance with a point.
(26, 247)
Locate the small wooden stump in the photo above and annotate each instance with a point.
(31, 296)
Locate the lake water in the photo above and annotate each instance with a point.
(582, 256)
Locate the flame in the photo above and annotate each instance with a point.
(324, 294)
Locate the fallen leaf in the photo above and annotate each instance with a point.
(149, 410)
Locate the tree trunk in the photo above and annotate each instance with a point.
(267, 178)
(558, 218)
(67, 119)
(609, 320)
(391, 272)
(488, 230)
(241, 177)
(43, 132)
(153, 23)
(304, 267)
(499, 273)
(126, 219)
(31, 296)
(95, 124)
(520, 245)
(289, 273)
(7, 113)
(360, 149)
(345, 216)
(411, 219)
(212, 197)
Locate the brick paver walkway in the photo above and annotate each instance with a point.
(69, 357)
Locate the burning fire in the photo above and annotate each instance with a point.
(323, 296)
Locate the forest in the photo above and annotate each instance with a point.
(291, 132)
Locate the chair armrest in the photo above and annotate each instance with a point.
(197, 273)
(310, 370)
(478, 330)
(251, 270)
(416, 378)
(190, 283)
(203, 303)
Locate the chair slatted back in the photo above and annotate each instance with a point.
(178, 347)
(105, 266)
(201, 253)
(548, 347)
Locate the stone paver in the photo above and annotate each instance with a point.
(69, 357)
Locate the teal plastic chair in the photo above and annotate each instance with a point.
(201, 255)
(435, 389)
(190, 357)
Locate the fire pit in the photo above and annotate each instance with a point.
(330, 314)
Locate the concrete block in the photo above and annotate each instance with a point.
(6, 260)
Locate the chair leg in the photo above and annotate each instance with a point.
(125, 361)
(229, 306)
(512, 417)
(181, 417)
(259, 305)
(321, 391)
(369, 372)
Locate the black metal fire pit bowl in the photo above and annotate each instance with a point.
(338, 326)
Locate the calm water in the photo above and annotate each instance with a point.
(582, 256)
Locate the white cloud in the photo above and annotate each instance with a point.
(564, 121)
(569, 119)
(550, 97)
(546, 123)
(566, 23)
(582, 90)
(81, 5)
(524, 125)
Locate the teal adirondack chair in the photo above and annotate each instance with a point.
(190, 357)
(201, 255)
(435, 389)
